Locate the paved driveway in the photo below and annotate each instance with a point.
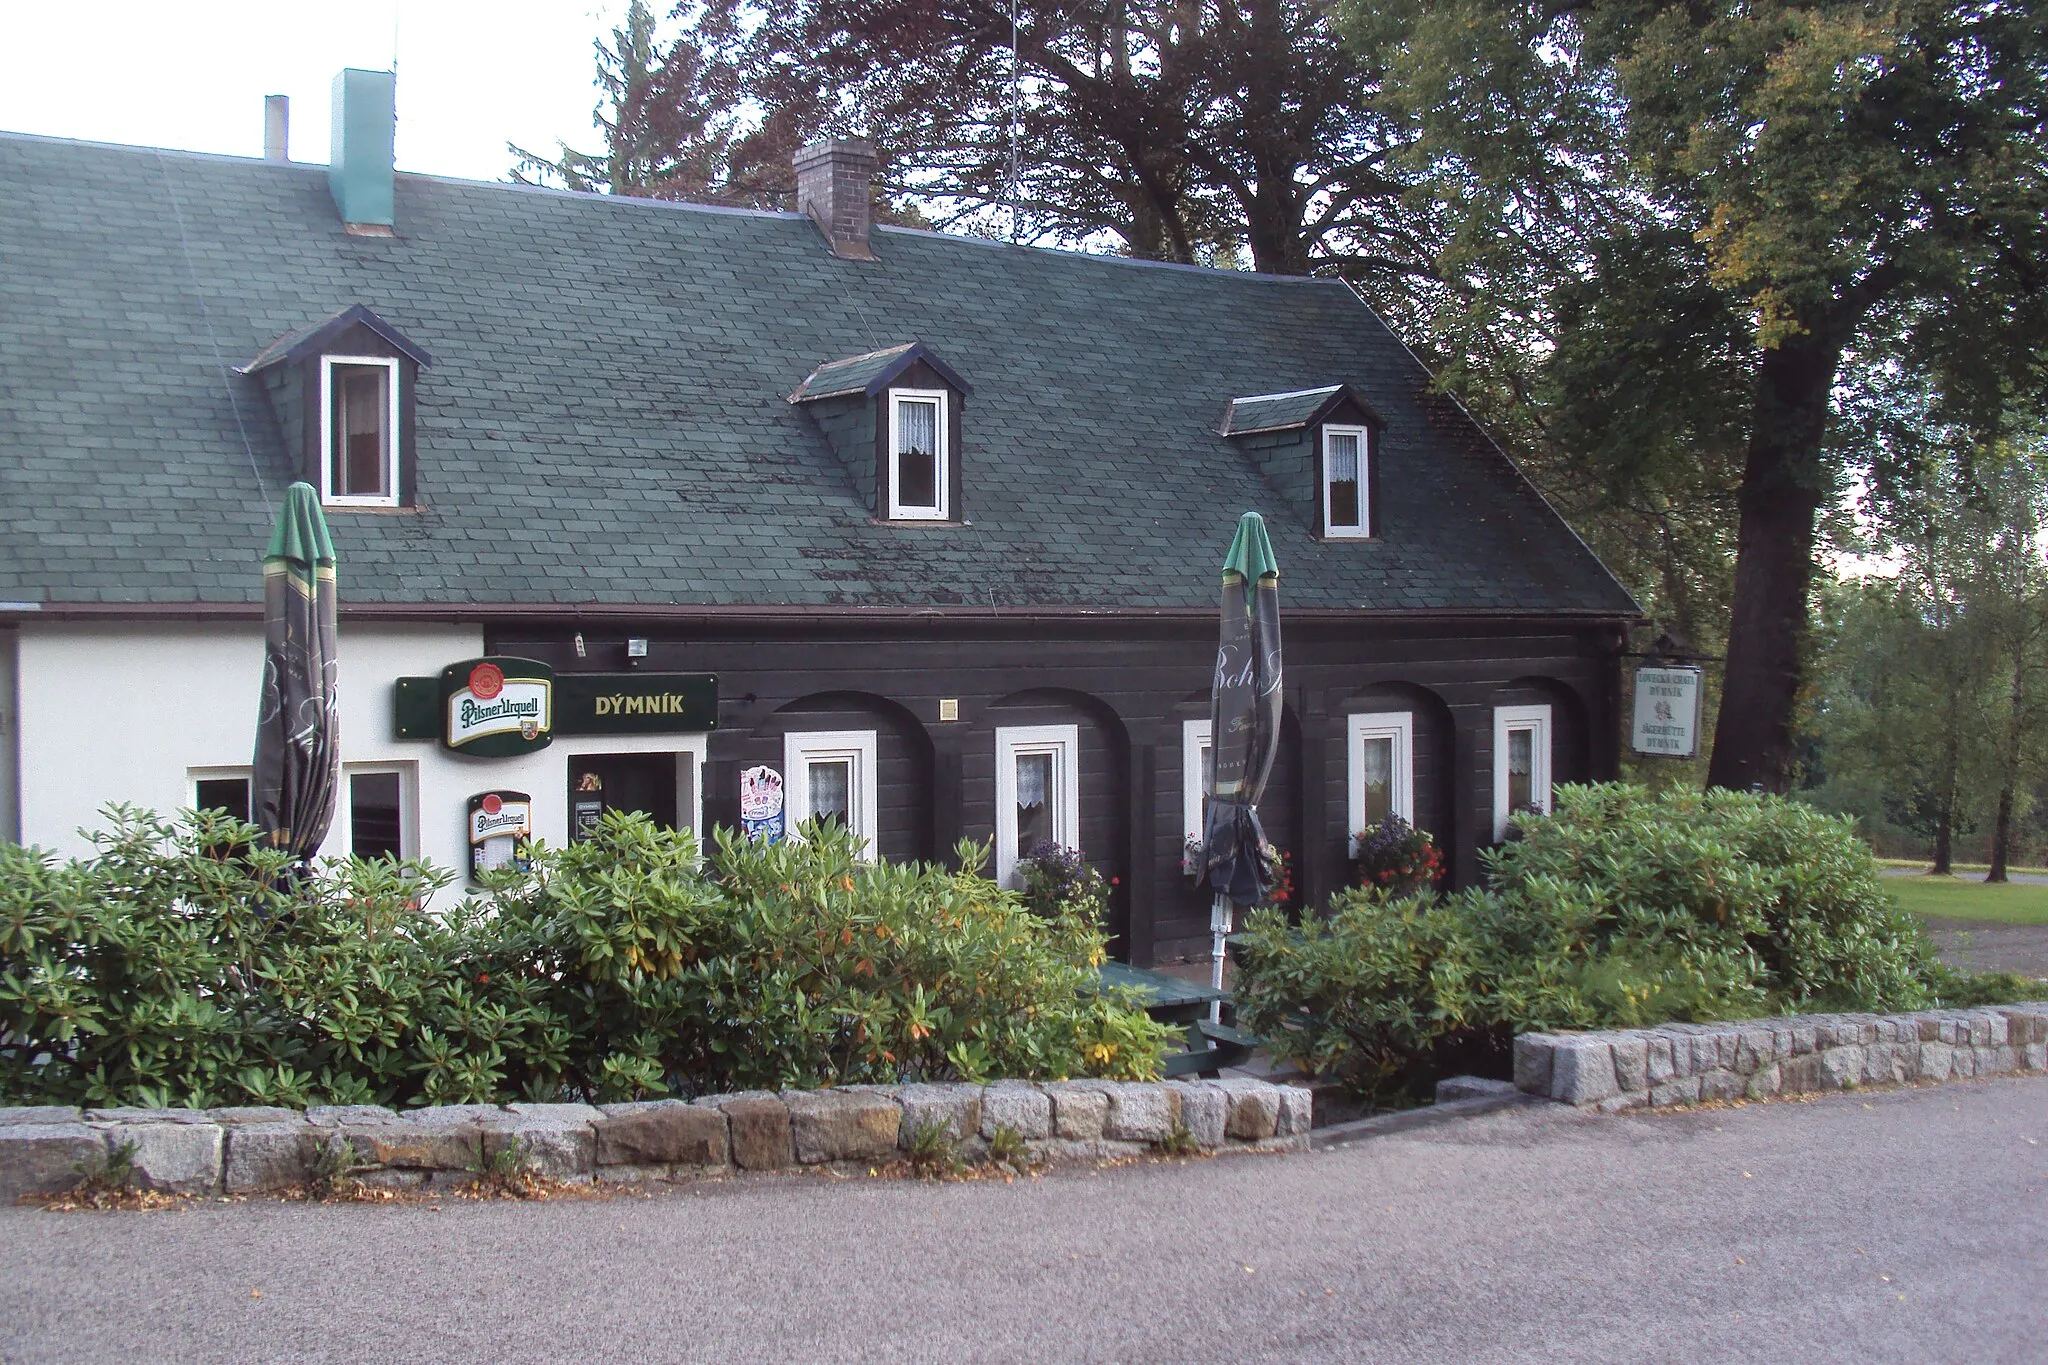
(1979, 946)
(1905, 1226)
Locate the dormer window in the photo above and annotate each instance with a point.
(918, 473)
(894, 417)
(1318, 448)
(342, 391)
(1346, 513)
(359, 442)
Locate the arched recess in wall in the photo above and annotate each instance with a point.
(1570, 738)
(1182, 907)
(1105, 779)
(1432, 738)
(903, 760)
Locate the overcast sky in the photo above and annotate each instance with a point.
(472, 74)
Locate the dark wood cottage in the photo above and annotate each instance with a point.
(928, 527)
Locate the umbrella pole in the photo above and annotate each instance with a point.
(1219, 929)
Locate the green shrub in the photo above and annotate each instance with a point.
(1360, 994)
(1619, 909)
(159, 972)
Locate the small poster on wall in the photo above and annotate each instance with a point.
(1667, 716)
(761, 803)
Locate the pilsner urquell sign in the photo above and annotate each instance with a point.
(497, 707)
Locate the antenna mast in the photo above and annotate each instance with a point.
(1016, 124)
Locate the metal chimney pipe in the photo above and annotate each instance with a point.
(277, 124)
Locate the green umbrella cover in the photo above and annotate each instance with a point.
(297, 767)
(1244, 727)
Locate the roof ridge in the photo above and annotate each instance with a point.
(691, 206)
(965, 239)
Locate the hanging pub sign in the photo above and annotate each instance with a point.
(761, 803)
(530, 704)
(500, 828)
(1667, 714)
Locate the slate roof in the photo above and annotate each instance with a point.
(606, 419)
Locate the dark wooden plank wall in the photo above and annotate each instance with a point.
(1127, 686)
(903, 763)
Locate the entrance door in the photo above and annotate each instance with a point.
(626, 782)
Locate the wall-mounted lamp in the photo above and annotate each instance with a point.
(636, 650)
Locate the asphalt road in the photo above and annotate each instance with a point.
(1904, 1226)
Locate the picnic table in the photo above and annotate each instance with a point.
(1172, 1000)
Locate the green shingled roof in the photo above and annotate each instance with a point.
(607, 416)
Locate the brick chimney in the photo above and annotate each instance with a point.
(832, 185)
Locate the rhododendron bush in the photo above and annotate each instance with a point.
(181, 965)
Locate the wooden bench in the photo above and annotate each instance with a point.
(1171, 1000)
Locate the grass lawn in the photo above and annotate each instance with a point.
(1970, 898)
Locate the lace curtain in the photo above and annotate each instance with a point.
(1034, 779)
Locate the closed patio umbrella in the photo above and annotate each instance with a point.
(1244, 731)
(297, 766)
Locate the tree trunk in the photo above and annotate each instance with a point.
(1779, 502)
(1951, 786)
(2001, 834)
(2009, 764)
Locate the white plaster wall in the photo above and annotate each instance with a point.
(129, 713)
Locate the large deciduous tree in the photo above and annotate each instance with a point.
(1699, 210)
(1220, 132)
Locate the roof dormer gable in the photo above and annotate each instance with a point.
(894, 417)
(342, 391)
(1319, 448)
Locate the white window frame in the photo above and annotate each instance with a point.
(1505, 719)
(1063, 742)
(857, 747)
(223, 773)
(342, 837)
(1398, 726)
(391, 459)
(1194, 777)
(1362, 531)
(942, 457)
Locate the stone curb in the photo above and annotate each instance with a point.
(1784, 1055)
(249, 1149)
(1408, 1120)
